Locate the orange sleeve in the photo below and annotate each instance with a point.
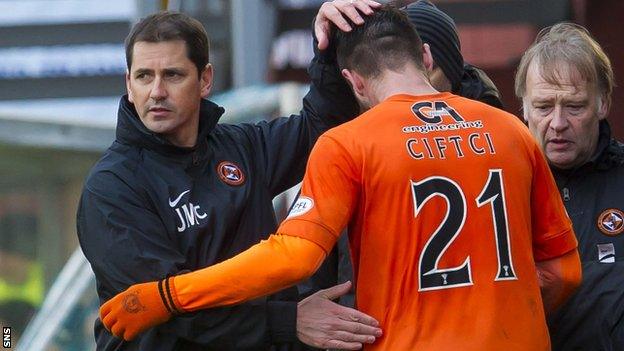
(272, 265)
(553, 235)
(559, 278)
(328, 196)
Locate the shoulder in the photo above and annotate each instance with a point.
(614, 154)
(472, 104)
(116, 169)
(616, 148)
(344, 135)
(335, 144)
(494, 116)
(232, 130)
(353, 139)
(236, 139)
(240, 132)
(365, 121)
(477, 85)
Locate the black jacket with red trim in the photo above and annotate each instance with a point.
(593, 194)
(150, 209)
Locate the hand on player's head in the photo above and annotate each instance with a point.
(337, 12)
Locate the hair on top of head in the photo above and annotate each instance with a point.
(386, 40)
(571, 45)
(170, 26)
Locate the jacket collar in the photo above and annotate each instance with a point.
(604, 139)
(610, 152)
(476, 85)
(131, 131)
(603, 157)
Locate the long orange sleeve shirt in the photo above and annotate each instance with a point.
(272, 265)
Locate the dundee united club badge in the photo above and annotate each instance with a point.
(611, 222)
(230, 173)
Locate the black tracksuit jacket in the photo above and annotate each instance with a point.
(150, 209)
(593, 319)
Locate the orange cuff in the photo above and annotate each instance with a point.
(166, 288)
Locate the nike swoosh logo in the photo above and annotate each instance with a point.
(175, 202)
(610, 256)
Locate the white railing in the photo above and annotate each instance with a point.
(67, 289)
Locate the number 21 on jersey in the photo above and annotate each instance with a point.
(430, 276)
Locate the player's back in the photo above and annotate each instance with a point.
(443, 237)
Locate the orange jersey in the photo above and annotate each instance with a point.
(449, 202)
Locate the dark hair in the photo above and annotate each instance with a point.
(438, 29)
(386, 40)
(168, 26)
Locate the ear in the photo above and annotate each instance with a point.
(129, 88)
(427, 58)
(356, 81)
(524, 110)
(603, 107)
(205, 80)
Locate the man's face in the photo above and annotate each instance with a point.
(164, 87)
(563, 118)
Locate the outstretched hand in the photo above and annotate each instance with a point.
(325, 324)
(134, 310)
(336, 12)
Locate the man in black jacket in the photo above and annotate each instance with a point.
(565, 82)
(177, 192)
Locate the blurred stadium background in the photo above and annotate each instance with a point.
(61, 74)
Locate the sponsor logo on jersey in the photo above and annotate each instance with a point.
(611, 222)
(230, 173)
(432, 113)
(606, 253)
(188, 214)
(301, 206)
